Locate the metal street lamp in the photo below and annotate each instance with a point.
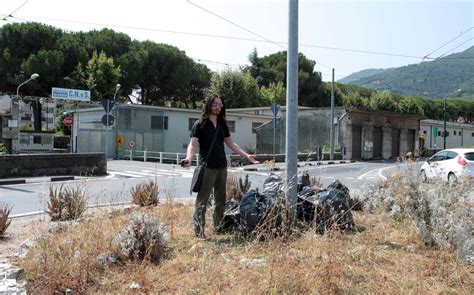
(32, 77)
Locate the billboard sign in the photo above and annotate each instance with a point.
(71, 94)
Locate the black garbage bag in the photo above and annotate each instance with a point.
(303, 181)
(333, 209)
(273, 185)
(308, 199)
(231, 216)
(253, 207)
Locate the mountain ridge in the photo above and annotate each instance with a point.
(449, 76)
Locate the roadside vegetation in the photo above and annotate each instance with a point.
(385, 253)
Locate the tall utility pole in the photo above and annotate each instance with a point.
(444, 132)
(331, 139)
(292, 109)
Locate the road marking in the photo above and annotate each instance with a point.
(374, 174)
(149, 173)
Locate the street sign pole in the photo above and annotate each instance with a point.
(107, 132)
(275, 109)
(274, 129)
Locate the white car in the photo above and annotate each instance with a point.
(449, 165)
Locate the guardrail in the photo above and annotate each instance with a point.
(151, 156)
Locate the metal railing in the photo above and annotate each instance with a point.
(151, 156)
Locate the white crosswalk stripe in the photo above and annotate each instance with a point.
(152, 173)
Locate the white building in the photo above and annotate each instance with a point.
(151, 128)
(459, 135)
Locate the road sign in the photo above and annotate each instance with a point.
(435, 131)
(104, 104)
(275, 108)
(70, 94)
(108, 120)
(67, 121)
(131, 144)
(120, 140)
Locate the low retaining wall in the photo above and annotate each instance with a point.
(237, 160)
(12, 166)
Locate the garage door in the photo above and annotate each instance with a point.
(378, 142)
(356, 142)
(395, 142)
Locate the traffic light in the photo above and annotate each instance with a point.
(443, 134)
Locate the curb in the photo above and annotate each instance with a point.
(265, 169)
(36, 180)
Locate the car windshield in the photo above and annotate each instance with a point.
(469, 156)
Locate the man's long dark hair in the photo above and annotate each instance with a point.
(207, 111)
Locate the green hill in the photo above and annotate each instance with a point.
(435, 79)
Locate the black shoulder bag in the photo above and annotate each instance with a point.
(199, 171)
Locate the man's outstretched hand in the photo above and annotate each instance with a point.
(253, 160)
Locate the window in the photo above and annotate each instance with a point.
(424, 131)
(472, 134)
(439, 133)
(231, 126)
(469, 156)
(159, 122)
(454, 132)
(255, 125)
(191, 122)
(439, 156)
(460, 133)
(451, 155)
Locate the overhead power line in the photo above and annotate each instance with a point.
(11, 13)
(462, 33)
(442, 55)
(32, 18)
(235, 24)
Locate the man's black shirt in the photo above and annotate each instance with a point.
(217, 158)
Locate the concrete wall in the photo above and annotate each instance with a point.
(12, 166)
(313, 131)
(386, 121)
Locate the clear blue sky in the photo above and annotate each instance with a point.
(404, 27)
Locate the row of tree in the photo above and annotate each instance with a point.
(98, 60)
(161, 74)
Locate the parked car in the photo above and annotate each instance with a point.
(449, 165)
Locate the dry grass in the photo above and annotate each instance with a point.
(145, 193)
(66, 203)
(5, 219)
(384, 256)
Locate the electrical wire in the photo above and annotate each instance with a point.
(11, 14)
(462, 33)
(235, 24)
(442, 55)
(31, 18)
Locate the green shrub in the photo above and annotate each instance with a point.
(3, 149)
(66, 203)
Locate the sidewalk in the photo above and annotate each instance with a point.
(280, 166)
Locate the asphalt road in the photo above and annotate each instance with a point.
(174, 182)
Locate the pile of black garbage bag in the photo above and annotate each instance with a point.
(325, 208)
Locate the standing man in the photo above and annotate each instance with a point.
(215, 174)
